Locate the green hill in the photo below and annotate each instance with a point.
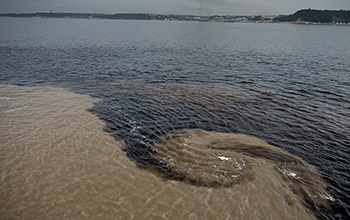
(312, 15)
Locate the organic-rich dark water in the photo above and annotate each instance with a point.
(286, 84)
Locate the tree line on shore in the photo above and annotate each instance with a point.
(321, 16)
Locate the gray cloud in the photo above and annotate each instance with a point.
(205, 7)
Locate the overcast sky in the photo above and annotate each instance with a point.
(204, 7)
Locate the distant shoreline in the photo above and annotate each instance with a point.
(304, 16)
(140, 16)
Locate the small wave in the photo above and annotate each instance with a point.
(6, 98)
(14, 109)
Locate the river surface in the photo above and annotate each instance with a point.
(110, 119)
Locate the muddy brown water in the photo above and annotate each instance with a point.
(58, 162)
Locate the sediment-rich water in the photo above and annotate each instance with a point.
(186, 120)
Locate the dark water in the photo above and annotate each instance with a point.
(286, 84)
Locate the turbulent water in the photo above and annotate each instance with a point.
(187, 120)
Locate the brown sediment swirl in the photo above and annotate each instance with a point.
(214, 159)
(190, 156)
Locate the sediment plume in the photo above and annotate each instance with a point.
(57, 161)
